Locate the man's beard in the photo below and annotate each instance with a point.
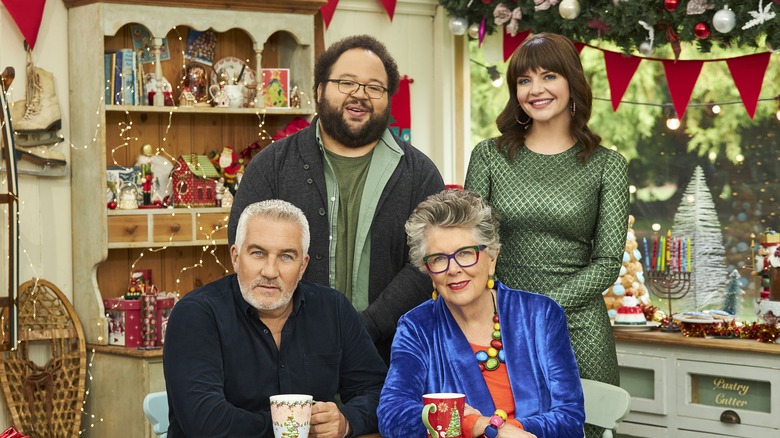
(261, 303)
(333, 123)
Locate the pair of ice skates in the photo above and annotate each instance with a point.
(36, 120)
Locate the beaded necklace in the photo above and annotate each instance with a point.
(495, 356)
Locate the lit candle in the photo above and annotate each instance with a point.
(668, 253)
(662, 255)
(647, 255)
(679, 254)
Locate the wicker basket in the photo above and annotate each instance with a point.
(46, 401)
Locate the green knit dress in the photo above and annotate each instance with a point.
(563, 233)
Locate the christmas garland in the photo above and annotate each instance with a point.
(759, 331)
(630, 24)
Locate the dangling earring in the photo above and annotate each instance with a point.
(490, 283)
(518, 119)
(435, 295)
(573, 107)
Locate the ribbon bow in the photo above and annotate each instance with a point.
(543, 5)
(502, 15)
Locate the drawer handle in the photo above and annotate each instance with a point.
(175, 228)
(730, 416)
(130, 229)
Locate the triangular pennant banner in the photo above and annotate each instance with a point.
(389, 7)
(620, 70)
(27, 14)
(401, 110)
(327, 10)
(748, 73)
(512, 42)
(578, 46)
(681, 77)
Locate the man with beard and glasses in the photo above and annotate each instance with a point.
(356, 182)
(235, 342)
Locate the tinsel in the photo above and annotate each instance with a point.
(757, 331)
(618, 22)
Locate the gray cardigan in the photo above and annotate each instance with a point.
(292, 169)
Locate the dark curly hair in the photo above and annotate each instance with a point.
(555, 53)
(325, 61)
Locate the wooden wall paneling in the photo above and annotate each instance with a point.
(176, 259)
(112, 273)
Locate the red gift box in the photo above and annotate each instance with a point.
(124, 320)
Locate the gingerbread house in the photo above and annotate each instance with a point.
(194, 182)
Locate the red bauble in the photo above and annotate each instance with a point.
(112, 205)
(487, 2)
(670, 5)
(702, 31)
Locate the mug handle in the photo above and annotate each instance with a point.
(212, 92)
(430, 407)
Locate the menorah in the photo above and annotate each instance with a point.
(669, 284)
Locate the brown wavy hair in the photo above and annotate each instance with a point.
(555, 53)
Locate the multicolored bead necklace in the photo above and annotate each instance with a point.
(495, 356)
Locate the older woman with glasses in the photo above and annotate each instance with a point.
(507, 350)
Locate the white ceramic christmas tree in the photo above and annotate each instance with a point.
(697, 219)
(631, 277)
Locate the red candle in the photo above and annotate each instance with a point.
(655, 251)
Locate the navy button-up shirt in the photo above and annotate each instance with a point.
(222, 365)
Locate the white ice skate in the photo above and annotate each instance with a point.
(37, 119)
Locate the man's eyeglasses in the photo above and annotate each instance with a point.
(464, 257)
(351, 87)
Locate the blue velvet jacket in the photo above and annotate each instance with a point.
(431, 354)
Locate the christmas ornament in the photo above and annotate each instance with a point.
(670, 5)
(458, 25)
(724, 20)
(112, 205)
(760, 16)
(702, 31)
(569, 9)
(543, 5)
(474, 30)
(502, 15)
(487, 2)
(646, 49)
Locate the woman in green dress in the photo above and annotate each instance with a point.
(562, 197)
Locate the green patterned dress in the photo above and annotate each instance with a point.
(563, 233)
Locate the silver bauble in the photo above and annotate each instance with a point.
(474, 30)
(458, 25)
(569, 9)
(724, 20)
(646, 49)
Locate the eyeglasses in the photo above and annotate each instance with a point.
(464, 257)
(351, 87)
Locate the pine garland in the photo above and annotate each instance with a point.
(617, 21)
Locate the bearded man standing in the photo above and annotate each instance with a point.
(356, 182)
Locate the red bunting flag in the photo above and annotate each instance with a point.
(389, 7)
(748, 73)
(27, 15)
(681, 77)
(401, 110)
(327, 10)
(620, 70)
(512, 42)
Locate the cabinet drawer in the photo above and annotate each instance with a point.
(211, 226)
(172, 227)
(707, 390)
(645, 377)
(128, 228)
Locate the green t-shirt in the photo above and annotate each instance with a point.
(351, 173)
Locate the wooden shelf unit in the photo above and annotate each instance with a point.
(107, 245)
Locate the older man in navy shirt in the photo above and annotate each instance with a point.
(262, 331)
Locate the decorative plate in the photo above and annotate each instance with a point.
(636, 328)
(681, 318)
(227, 70)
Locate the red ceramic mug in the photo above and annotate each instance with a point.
(442, 413)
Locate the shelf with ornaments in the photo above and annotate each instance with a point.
(184, 246)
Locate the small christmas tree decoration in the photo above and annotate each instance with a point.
(631, 277)
(732, 297)
(453, 429)
(697, 220)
